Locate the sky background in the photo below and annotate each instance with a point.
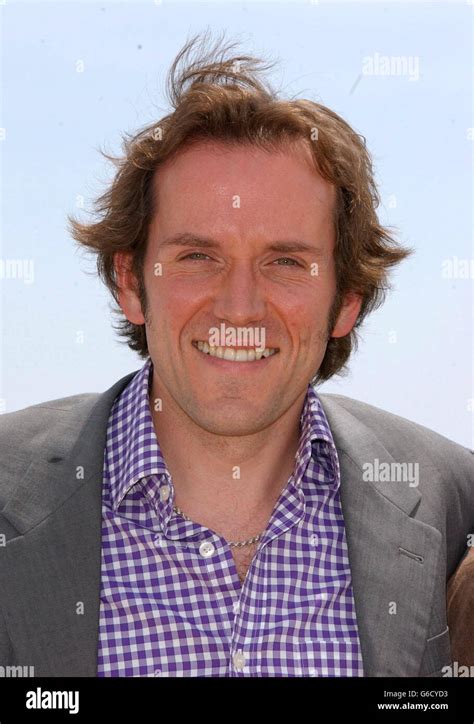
(416, 353)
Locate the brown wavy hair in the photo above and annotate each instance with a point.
(217, 94)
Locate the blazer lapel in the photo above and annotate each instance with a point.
(50, 572)
(392, 588)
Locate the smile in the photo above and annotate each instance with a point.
(235, 354)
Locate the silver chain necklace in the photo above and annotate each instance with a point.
(248, 542)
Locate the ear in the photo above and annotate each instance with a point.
(348, 314)
(128, 287)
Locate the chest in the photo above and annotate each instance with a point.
(243, 558)
(283, 624)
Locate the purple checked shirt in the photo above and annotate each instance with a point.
(171, 600)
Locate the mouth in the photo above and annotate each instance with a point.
(235, 354)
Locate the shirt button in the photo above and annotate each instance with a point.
(238, 660)
(236, 607)
(206, 549)
(164, 493)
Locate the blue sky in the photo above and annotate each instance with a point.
(416, 352)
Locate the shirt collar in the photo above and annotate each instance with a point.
(132, 433)
(133, 451)
(316, 440)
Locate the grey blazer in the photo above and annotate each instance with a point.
(404, 540)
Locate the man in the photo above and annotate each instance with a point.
(460, 603)
(211, 514)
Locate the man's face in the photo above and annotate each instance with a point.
(242, 202)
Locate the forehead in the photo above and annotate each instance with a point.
(216, 183)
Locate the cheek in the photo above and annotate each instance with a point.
(306, 308)
(305, 316)
(173, 301)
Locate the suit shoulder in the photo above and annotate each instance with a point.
(47, 428)
(384, 424)
(54, 424)
(21, 424)
(49, 431)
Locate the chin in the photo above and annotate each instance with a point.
(230, 423)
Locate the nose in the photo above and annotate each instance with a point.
(240, 299)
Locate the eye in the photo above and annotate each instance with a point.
(293, 262)
(195, 254)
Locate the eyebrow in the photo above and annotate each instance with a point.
(187, 239)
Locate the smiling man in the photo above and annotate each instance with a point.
(250, 266)
(211, 514)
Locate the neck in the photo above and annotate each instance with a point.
(234, 480)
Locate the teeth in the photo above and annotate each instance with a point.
(245, 355)
(229, 354)
(235, 354)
